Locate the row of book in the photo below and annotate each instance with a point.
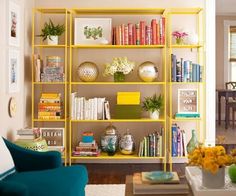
(89, 109)
(185, 70)
(151, 145)
(52, 71)
(50, 106)
(140, 33)
(179, 142)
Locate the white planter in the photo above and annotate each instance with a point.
(155, 114)
(213, 181)
(53, 40)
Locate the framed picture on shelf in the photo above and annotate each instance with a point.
(92, 31)
(13, 71)
(14, 24)
(188, 101)
(53, 136)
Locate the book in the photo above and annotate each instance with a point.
(187, 115)
(174, 140)
(173, 68)
(146, 180)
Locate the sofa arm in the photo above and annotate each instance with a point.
(28, 160)
(8, 188)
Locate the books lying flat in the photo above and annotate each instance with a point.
(146, 188)
(182, 115)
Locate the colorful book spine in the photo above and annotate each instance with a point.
(154, 31)
(130, 33)
(142, 32)
(174, 140)
(173, 67)
(134, 35)
(137, 34)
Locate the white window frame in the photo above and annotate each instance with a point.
(227, 63)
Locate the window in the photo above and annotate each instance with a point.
(232, 53)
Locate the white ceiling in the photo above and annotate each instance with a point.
(225, 7)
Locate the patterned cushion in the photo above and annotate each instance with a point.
(7, 165)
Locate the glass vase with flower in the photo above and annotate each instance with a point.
(118, 68)
(179, 37)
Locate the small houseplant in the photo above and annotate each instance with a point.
(51, 32)
(119, 67)
(179, 36)
(153, 105)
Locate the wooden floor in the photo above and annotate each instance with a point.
(115, 173)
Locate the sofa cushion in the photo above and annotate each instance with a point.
(7, 165)
(69, 181)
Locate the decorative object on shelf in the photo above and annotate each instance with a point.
(127, 144)
(192, 38)
(109, 140)
(12, 107)
(193, 142)
(179, 37)
(92, 31)
(148, 71)
(158, 176)
(119, 67)
(14, 24)
(87, 71)
(188, 101)
(51, 32)
(14, 71)
(36, 145)
(153, 105)
(212, 160)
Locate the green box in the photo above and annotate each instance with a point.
(128, 111)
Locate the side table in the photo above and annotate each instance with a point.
(129, 188)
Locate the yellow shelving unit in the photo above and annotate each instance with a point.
(199, 122)
(77, 84)
(38, 47)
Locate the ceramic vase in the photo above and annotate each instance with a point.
(213, 181)
(53, 40)
(119, 77)
(155, 114)
(193, 142)
(127, 145)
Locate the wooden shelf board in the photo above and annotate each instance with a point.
(49, 46)
(120, 120)
(118, 46)
(49, 120)
(118, 83)
(186, 82)
(51, 83)
(53, 10)
(185, 46)
(184, 10)
(181, 157)
(112, 11)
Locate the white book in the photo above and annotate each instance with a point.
(86, 114)
(107, 110)
(95, 108)
(184, 140)
(82, 108)
(100, 108)
(72, 108)
(37, 69)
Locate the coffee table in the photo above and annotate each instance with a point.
(129, 188)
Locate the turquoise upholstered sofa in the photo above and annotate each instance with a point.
(42, 174)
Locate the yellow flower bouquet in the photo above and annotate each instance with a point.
(210, 158)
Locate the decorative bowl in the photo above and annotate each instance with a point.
(159, 176)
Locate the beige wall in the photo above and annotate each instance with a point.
(9, 125)
(220, 49)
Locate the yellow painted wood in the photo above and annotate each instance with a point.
(184, 11)
(186, 46)
(186, 119)
(181, 83)
(120, 120)
(180, 157)
(118, 46)
(49, 83)
(122, 11)
(52, 10)
(50, 46)
(118, 83)
(49, 120)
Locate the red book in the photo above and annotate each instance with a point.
(163, 20)
(130, 33)
(154, 31)
(126, 37)
(158, 33)
(123, 34)
(137, 34)
(142, 32)
(120, 36)
(114, 35)
(148, 35)
(134, 35)
(117, 36)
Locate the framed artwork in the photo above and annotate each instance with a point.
(14, 24)
(13, 71)
(188, 101)
(92, 31)
(53, 136)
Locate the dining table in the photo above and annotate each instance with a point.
(227, 94)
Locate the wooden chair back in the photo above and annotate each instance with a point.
(230, 85)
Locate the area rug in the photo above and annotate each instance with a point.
(105, 190)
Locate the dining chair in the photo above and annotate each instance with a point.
(232, 102)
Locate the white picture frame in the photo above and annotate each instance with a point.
(13, 71)
(84, 28)
(14, 23)
(54, 137)
(188, 101)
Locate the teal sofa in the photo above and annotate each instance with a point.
(42, 174)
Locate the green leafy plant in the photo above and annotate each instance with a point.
(51, 29)
(153, 103)
(93, 32)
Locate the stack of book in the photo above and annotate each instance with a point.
(144, 186)
(185, 70)
(53, 70)
(179, 142)
(49, 106)
(140, 33)
(27, 134)
(187, 115)
(89, 109)
(151, 145)
(128, 105)
(87, 147)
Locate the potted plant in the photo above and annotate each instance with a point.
(51, 32)
(179, 36)
(153, 105)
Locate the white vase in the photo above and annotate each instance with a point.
(213, 181)
(155, 114)
(193, 38)
(53, 40)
